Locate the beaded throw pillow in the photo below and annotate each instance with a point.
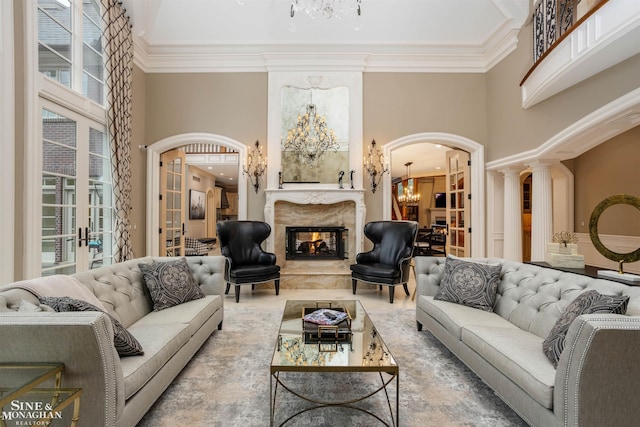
(588, 302)
(170, 283)
(469, 283)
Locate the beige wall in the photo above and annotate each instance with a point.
(608, 169)
(229, 104)
(513, 129)
(138, 165)
(401, 104)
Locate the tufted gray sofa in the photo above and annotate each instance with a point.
(598, 374)
(115, 391)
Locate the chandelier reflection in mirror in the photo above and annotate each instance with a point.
(326, 8)
(310, 138)
(298, 353)
(374, 166)
(256, 166)
(406, 194)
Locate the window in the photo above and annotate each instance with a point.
(70, 45)
(73, 195)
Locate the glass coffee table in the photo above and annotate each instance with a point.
(353, 346)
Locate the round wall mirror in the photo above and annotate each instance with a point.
(620, 199)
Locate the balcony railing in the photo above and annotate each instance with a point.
(572, 44)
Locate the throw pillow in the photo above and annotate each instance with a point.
(469, 283)
(170, 283)
(125, 343)
(588, 302)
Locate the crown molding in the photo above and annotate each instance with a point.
(408, 57)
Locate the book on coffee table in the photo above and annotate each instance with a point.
(326, 316)
(326, 324)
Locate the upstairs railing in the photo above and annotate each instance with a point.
(553, 20)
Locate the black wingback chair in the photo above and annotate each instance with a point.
(247, 263)
(388, 263)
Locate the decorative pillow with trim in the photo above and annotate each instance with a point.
(469, 283)
(170, 283)
(125, 343)
(588, 302)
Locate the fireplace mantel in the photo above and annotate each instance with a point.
(316, 196)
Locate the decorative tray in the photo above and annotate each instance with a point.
(315, 331)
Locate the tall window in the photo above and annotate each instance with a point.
(75, 162)
(70, 45)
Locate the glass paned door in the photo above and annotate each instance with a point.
(100, 201)
(59, 194)
(172, 172)
(458, 210)
(76, 193)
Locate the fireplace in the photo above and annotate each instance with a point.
(316, 243)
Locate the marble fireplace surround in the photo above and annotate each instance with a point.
(326, 207)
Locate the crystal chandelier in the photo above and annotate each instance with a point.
(326, 8)
(408, 197)
(310, 138)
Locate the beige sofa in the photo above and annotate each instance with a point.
(598, 373)
(116, 391)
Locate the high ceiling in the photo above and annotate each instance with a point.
(237, 35)
(391, 35)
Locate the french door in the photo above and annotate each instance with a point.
(458, 203)
(76, 226)
(172, 173)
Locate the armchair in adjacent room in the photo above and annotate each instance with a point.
(387, 264)
(247, 263)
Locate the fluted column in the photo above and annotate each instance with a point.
(512, 215)
(541, 209)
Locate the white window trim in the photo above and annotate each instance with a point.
(38, 86)
(7, 135)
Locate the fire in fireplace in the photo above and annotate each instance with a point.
(316, 243)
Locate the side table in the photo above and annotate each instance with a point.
(25, 401)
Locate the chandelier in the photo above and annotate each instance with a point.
(408, 197)
(374, 166)
(310, 138)
(326, 8)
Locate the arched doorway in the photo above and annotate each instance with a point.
(153, 177)
(476, 152)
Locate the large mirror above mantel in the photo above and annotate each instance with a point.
(315, 134)
(338, 97)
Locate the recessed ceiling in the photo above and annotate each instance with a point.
(254, 35)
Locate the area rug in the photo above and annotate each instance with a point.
(227, 381)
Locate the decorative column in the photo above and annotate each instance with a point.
(541, 209)
(512, 215)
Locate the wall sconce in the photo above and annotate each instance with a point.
(256, 166)
(374, 166)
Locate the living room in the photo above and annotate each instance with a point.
(575, 124)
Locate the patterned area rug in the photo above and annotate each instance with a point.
(227, 382)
